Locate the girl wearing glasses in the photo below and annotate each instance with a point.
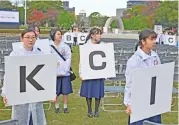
(31, 113)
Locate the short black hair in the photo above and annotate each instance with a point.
(53, 32)
(27, 31)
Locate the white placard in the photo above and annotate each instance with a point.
(158, 29)
(68, 37)
(29, 80)
(97, 61)
(151, 98)
(171, 40)
(82, 38)
(116, 31)
(105, 30)
(9, 16)
(42, 44)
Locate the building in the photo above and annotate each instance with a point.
(82, 20)
(67, 8)
(120, 12)
(131, 3)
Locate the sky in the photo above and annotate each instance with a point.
(104, 7)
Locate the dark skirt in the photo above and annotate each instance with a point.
(92, 88)
(63, 86)
(155, 119)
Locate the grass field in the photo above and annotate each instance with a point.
(78, 109)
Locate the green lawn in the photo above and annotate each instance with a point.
(78, 109)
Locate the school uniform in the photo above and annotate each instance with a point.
(63, 85)
(75, 38)
(93, 88)
(31, 113)
(139, 60)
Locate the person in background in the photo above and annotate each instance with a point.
(75, 31)
(63, 85)
(36, 29)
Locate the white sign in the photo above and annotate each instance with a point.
(68, 37)
(97, 61)
(116, 31)
(42, 44)
(9, 16)
(171, 40)
(158, 29)
(151, 92)
(105, 30)
(29, 80)
(82, 38)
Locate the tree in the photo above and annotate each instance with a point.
(114, 24)
(16, 3)
(97, 19)
(6, 5)
(141, 16)
(65, 19)
(37, 17)
(167, 13)
(44, 6)
(21, 14)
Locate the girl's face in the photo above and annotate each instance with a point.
(96, 37)
(29, 40)
(75, 29)
(149, 42)
(58, 36)
(37, 31)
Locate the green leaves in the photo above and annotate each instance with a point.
(167, 13)
(65, 19)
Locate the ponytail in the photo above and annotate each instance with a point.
(137, 45)
(88, 37)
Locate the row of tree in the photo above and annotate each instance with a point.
(44, 13)
(52, 13)
(155, 12)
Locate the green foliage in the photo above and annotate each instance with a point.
(135, 23)
(6, 5)
(114, 24)
(44, 6)
(97, 19)
(167, 13)
(21, 14)
(142, 16)
(65, 19)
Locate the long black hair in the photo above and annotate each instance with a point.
(144, 35)
(93, 31)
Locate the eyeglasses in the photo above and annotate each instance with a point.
(32, 38)
(36, 30)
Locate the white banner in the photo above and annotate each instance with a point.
(158, 29)
(29, 80)
(9, 16)
(151, 92)
(97, 61)
(105, 30)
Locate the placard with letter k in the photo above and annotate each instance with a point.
(30, 79)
